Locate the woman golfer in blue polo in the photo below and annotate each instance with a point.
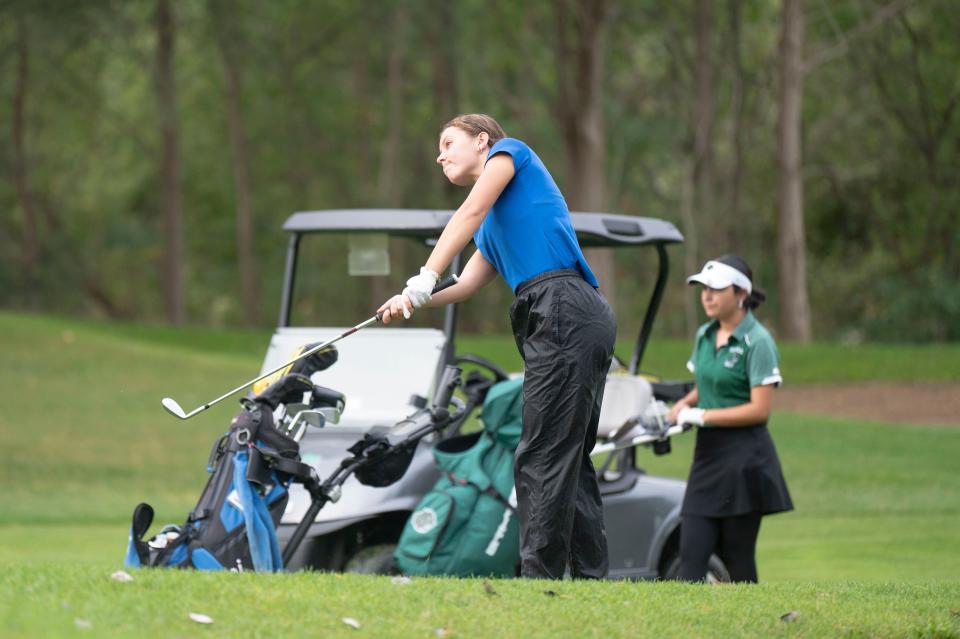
(563, 327)
(735, 478)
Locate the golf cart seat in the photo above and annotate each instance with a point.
(625, 397)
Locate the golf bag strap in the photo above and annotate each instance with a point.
(299, 471)
(489, 490)
(217, 451)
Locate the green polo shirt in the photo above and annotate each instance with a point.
(725, 375)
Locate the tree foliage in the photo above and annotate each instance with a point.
(284, 106)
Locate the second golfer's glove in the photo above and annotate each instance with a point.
(420, 287)
(690, 416)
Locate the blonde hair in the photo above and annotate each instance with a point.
(477, 123)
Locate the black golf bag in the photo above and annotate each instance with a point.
(233, 525)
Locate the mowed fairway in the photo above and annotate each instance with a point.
(872, 549)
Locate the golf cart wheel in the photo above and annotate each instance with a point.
(374, 560)
(716, 570)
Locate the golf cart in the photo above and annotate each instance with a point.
(387, 373)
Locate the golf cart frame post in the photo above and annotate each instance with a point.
(594, 230)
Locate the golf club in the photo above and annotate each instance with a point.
(174, 408)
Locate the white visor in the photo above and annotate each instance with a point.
(719, 276)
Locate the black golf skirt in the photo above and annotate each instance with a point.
(735, 471)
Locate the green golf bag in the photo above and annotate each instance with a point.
(467, 525)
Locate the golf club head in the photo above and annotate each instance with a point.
(173, 407)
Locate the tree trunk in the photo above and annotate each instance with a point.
(581, 53)
(704, 114)
(444, 71)
(734, 230)
(440, 39)
(691, 234)
(363, 115)
(171, 197)
(31, 244)
(389, 191)
(228, 40)
(388, 185)
(791, 242)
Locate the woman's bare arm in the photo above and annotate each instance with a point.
(756, 411)
(460, 229)
(457, 234)
(476, 274)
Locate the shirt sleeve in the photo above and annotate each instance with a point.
(763, 364)
(517, 150)
(692, 362)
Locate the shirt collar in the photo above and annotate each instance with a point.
(744, 326)
(748, 322)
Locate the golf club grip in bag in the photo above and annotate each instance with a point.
(233, 526)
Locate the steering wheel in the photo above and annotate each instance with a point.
(499, 374)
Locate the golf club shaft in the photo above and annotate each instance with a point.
(308, 353)
(450, 281)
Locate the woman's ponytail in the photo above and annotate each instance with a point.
(755, 299)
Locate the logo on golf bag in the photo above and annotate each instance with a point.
(501, 532)
(424, 520)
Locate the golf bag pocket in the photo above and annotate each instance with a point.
(427, 526)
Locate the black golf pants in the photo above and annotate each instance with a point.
(565, 331)
(734, 539)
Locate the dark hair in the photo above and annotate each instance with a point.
(477, 123)
(757, 296)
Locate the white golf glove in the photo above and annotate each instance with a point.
(419, 289)
(690, 416)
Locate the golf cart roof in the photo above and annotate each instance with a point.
(593, 229)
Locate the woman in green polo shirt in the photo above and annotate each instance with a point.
(735, 478)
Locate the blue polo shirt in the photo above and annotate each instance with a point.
(527, 230)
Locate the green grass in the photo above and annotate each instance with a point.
(870, 550)
(51, 601)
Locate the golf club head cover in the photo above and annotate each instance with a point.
(138, 553)
(327, 397)
(382, 463)
(319, 361)
(287, 389)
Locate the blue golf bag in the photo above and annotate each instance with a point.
(233, 525)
